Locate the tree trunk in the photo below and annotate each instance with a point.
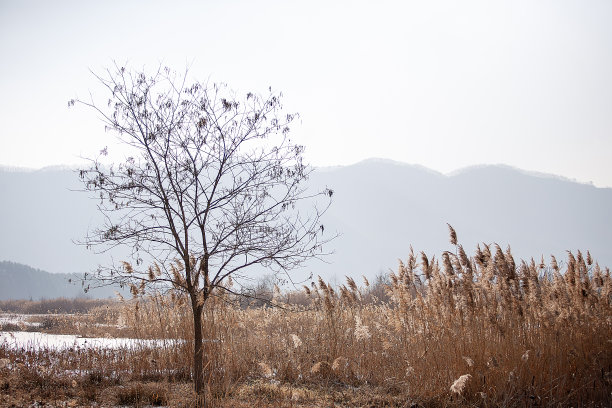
(198, 349)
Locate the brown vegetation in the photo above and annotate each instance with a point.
(59, 305)
(480, 331)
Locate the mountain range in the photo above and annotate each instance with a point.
(380, 209)
(23, 282)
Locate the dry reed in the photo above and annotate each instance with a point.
(482, 330)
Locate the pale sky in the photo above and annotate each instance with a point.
(444, 84)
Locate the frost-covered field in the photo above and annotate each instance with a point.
(36, 340)
(18, 319)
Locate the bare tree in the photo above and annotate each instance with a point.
(214, 188)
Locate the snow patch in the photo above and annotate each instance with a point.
(37, 341)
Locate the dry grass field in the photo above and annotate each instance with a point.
(480, 331)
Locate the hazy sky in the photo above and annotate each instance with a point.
(445, 84)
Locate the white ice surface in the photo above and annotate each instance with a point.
(20, 319)
(35, 340)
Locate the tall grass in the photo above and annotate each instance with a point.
(512, 332)
(484, 330)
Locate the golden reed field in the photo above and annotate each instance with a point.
(482, 331)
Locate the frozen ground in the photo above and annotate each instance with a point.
(35, 340)
(18, 319)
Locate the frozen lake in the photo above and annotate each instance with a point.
(18, 319)
(35, 340)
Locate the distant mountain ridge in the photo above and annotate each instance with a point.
(57, 167)
(380, 208)
(23, 282)
(519, 170)
(384, 207)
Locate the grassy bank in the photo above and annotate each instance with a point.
(459, 331)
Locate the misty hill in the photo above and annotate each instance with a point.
(380, 208)
(23, 282)
(41, 215)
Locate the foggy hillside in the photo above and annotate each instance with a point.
(380, 208)
(43, 214)
(23, 282)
